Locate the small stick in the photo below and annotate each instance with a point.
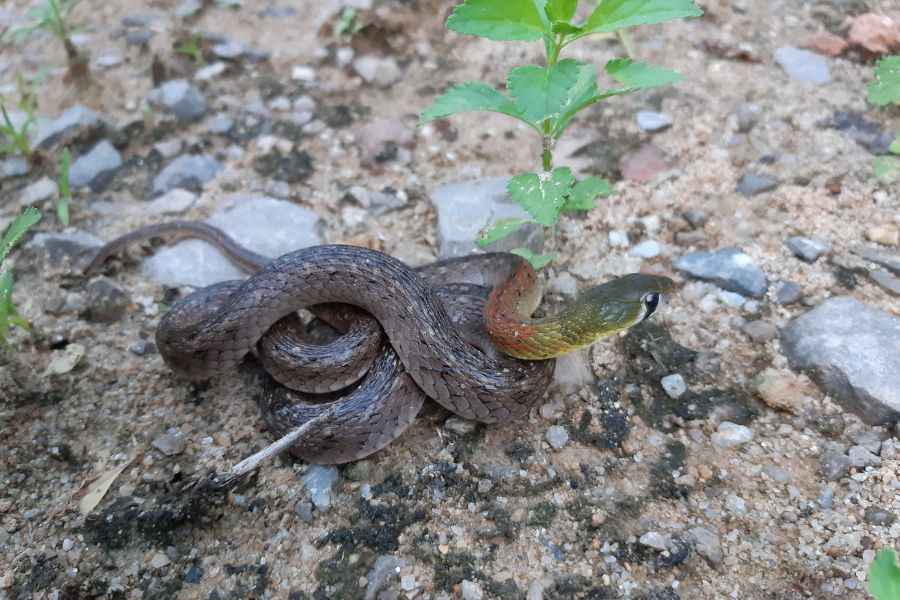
(277, 447)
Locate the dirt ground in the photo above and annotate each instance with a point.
(462, 509)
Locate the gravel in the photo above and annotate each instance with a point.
(729, 435)
(731, 269)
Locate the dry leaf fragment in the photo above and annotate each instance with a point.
(875, 33)
(94, 488)
(64, 361)
(825, 42)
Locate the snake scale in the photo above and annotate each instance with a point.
(434, 320)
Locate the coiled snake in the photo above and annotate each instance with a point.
(434, 319)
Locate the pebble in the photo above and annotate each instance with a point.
(644, 164)
(65, 360)
(383, 139)
(360, 470)
(465, 208)
(646, 249)
(220, 125)
(265, 225)
(39, 191)
(808, 249)
(565, 285)
(747, 116)
(707, 544)
(304, 510)
(653, 121)
(187, 171)
(385, 569)
(674, 385)
(890, 260)
(875, 515)
(788, 292)
(729, 435)
(68, 247)
(142, 348)
(108, 59)
(15, 166)
(871, 136)
(833, 464)
(573, 371)
(760, 331)
(780, 391)
(378, 70)
(752, 184)
(318, 480)
(75, 123)
(862, 372)
(886, 235)
(185, 101)
(655, 540)
(159, 561)
(537, 587)
(96, 168)
(557, 436)
(106, 302)
(172, 202)
(210, 71)
(408, 583)
(777, 474)
(138, 37)
(170, 443)
(730, 269)
(303, 73)
(803, 66)
(861, 457)
(887, 281)
(618, 239)
(471, 590)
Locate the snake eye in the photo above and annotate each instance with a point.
(651, 301)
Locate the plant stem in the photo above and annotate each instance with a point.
(547, 154)
(624, 41)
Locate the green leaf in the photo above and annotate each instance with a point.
(541, 93)
(895, 145)
(611, 15)
(585, 193)
(561, 10)
(563, 28)
(885, 88)
(637, 75)
(6, 307)
(498, 20)
(62, 212)
(884, 575)
(542, 195)
(499, 230)
(584, 88)
(467, 97)
(19, 227)
(538, 261)
(887, 169)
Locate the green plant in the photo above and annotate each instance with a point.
(347, 23)
(62, 209)
(548, 98)
(884, 89)
(8, 315)
(52, 16)
(884, 575)
(191, 48)
(18, 137)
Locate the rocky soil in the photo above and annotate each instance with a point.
(743, 443)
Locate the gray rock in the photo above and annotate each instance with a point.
(707, 544)
(653, 121)
(889, 259)
(39, 191)
(15, 166)
(96, 168)
(318, 480)
(861, 458)
(139, 37)
(777, 474)
(557, 436)
(142, 348)
(760, 331)
(220, 125)
(875, 515)
(181, 98)
(808, 249)
(304, 510)
(887, 281)
(378, 70)
(170, 443)
(826, 497)
(852, 350)
(729, 435)
(730, 269)
(75, 123)
(865, 438)
(70, 247)
(279, 11)
(360, 470)
(459, 425)
(385, 570)
(833, 464)
(172, 202)
(108, 59)
(788, 293)
(140, 19)
(471, 590)
(674, 385)
(465, 208)
(231, 50)
(106, 302)
(752, 184)
(696, 217)
(265, 225)
(188, 171)
(655, 540)
(747, 115)
(803, 66)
